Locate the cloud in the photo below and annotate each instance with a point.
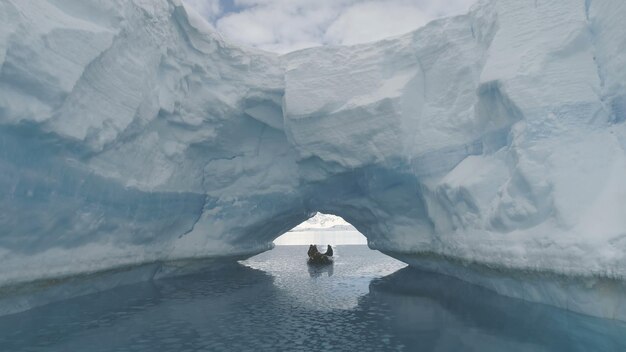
(370, 21)
(286, 25)
(210, 9)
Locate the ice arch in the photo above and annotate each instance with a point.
(485, 146)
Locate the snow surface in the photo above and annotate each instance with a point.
(130, 133)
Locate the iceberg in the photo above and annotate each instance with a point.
(489, 146)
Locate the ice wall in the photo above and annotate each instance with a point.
(130, 133)
(493, 137)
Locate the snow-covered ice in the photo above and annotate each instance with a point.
(324, 222)
(131, 133)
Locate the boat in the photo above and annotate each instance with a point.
(320, 259)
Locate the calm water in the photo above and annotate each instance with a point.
(275, 302)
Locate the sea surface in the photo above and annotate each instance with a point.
(333, 237)
(365, 301)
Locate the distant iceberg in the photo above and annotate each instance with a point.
(324, 222)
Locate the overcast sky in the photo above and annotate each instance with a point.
(287, 25)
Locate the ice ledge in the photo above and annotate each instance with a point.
(28, 295)
(592, 295)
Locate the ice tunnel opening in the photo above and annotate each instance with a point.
(322, 229)
(350, 248)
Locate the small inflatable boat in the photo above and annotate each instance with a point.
(317, 258)
(320, 260)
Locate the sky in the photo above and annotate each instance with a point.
(286, 25)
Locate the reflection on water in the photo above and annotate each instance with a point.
(275, 302)
(470, 318)
(318, 270)
(325, 288)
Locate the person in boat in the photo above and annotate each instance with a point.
(320, 258)
(313, 251)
